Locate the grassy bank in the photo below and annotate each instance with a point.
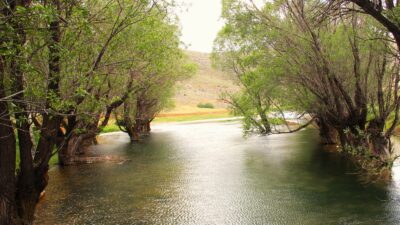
(193, 117)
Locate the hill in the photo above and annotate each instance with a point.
(204, 87)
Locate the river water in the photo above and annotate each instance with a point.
(207, 173)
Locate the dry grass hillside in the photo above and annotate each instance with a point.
(204, 87)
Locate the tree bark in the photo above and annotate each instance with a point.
(137, 131)
(148, 126)
(327, 133)
(7, 158)
(380, 144)
(75, 143)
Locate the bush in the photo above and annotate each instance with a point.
(205, 105)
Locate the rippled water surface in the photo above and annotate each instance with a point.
(209, 174)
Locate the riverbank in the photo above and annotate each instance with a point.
(178, 117)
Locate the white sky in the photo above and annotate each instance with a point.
(200, 23)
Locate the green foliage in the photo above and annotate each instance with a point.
(287, 58)
(105, 52)
(240, 49)
(155, 44)
(205, 105)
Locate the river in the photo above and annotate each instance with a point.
(207, 173)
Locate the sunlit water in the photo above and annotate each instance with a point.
(209, 174)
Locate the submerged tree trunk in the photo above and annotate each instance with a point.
(147, 128)
(136, 131)
(368, 142)
(265, 124)
(380, 144)
(76, 142)
(327, 133)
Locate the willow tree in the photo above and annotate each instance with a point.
(242, 49)
(349, 70)
(53, 59)
(154, 86)
(22, 20)
(341, 71)
(105, 72)
(257, 77)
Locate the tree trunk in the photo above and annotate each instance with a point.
(85, 144)
(380, 145)
(30, 184)
(371, 141)
(7, 158)
(76, 145)
(12, 209)
(27, 197)
(327, 133)
(265, 124)
(136, 131)
(148, 126)
(66, 154)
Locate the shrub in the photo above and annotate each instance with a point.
(205, 105)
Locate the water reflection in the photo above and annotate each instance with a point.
(209, 174)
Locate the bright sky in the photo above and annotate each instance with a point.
(200, 23)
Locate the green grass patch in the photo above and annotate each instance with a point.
(54, 160)
(111, 128)
(276, 121)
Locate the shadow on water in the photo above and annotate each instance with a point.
(209, 174)
(113, 193)
(313, 186)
